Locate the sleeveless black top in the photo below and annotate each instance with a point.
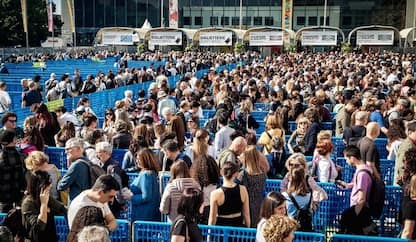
(232, 201)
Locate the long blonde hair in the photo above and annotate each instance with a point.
(200, 145)
(251, 157)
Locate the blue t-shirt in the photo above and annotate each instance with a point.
(377, 117)
(301, 200)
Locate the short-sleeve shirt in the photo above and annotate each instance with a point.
(369, 152)
(179, 228)
(409, 211)
(82, 200)
(266, 138)
(362, 182)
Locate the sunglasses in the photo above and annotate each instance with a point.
(297, 165)
(12, 120)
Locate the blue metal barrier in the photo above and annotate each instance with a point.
(386, 166)
(159, 231)
(359, 238)
(57, 156)
(120, 235)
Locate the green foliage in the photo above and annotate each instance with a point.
(11, 23)
(238, 47)
(346, 47)
(290, 47)
(141, 47)
(190, 47)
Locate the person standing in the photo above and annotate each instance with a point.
(222, 138)
(102, 192)
(343, 117)
(229, 204)
(5, 100)
(368, 149)
(9, 121)
(32, 96)
(408, 144)
(357, 218)
(104, 151)
(146, 195)
(254, 179)
(77, 178)
(185, 227)
(175, 124)
(12, 172)
(39, 209)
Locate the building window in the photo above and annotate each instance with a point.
(268, 21)
(359, 20)
(321, 20)
(312, 21)
(214, 21)
(225, 21)
(346, 20)
(187, 20)
(235, 21)
(246, 20)
(198, 20)
(300, 20)
(257, 21)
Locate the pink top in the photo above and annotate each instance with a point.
(361, 182)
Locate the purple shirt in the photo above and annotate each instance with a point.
(361, 181)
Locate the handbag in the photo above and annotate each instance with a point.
(187, 237)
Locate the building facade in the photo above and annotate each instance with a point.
(91, 15)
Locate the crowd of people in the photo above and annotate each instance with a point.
(218, 171)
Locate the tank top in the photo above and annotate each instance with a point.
(232, 201)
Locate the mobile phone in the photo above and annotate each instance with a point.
(340, 183)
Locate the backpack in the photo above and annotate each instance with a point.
(222, 157)
(95, 171)
(377, 195)
(355, 138)
(303, 215)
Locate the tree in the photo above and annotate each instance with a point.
(12, 25)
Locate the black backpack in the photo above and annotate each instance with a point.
(303, 215)
(95, 171)
(356, 137)
(377, 195)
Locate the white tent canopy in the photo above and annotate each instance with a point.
(146, 25)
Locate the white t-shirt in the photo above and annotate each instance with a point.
(259, 233)
(82, 200)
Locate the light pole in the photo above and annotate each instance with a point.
(325, 6)
(161, 14)
(241, 14)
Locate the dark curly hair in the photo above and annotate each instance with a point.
(86, 216)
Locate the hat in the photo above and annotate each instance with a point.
(161, 94)
(7, 136)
